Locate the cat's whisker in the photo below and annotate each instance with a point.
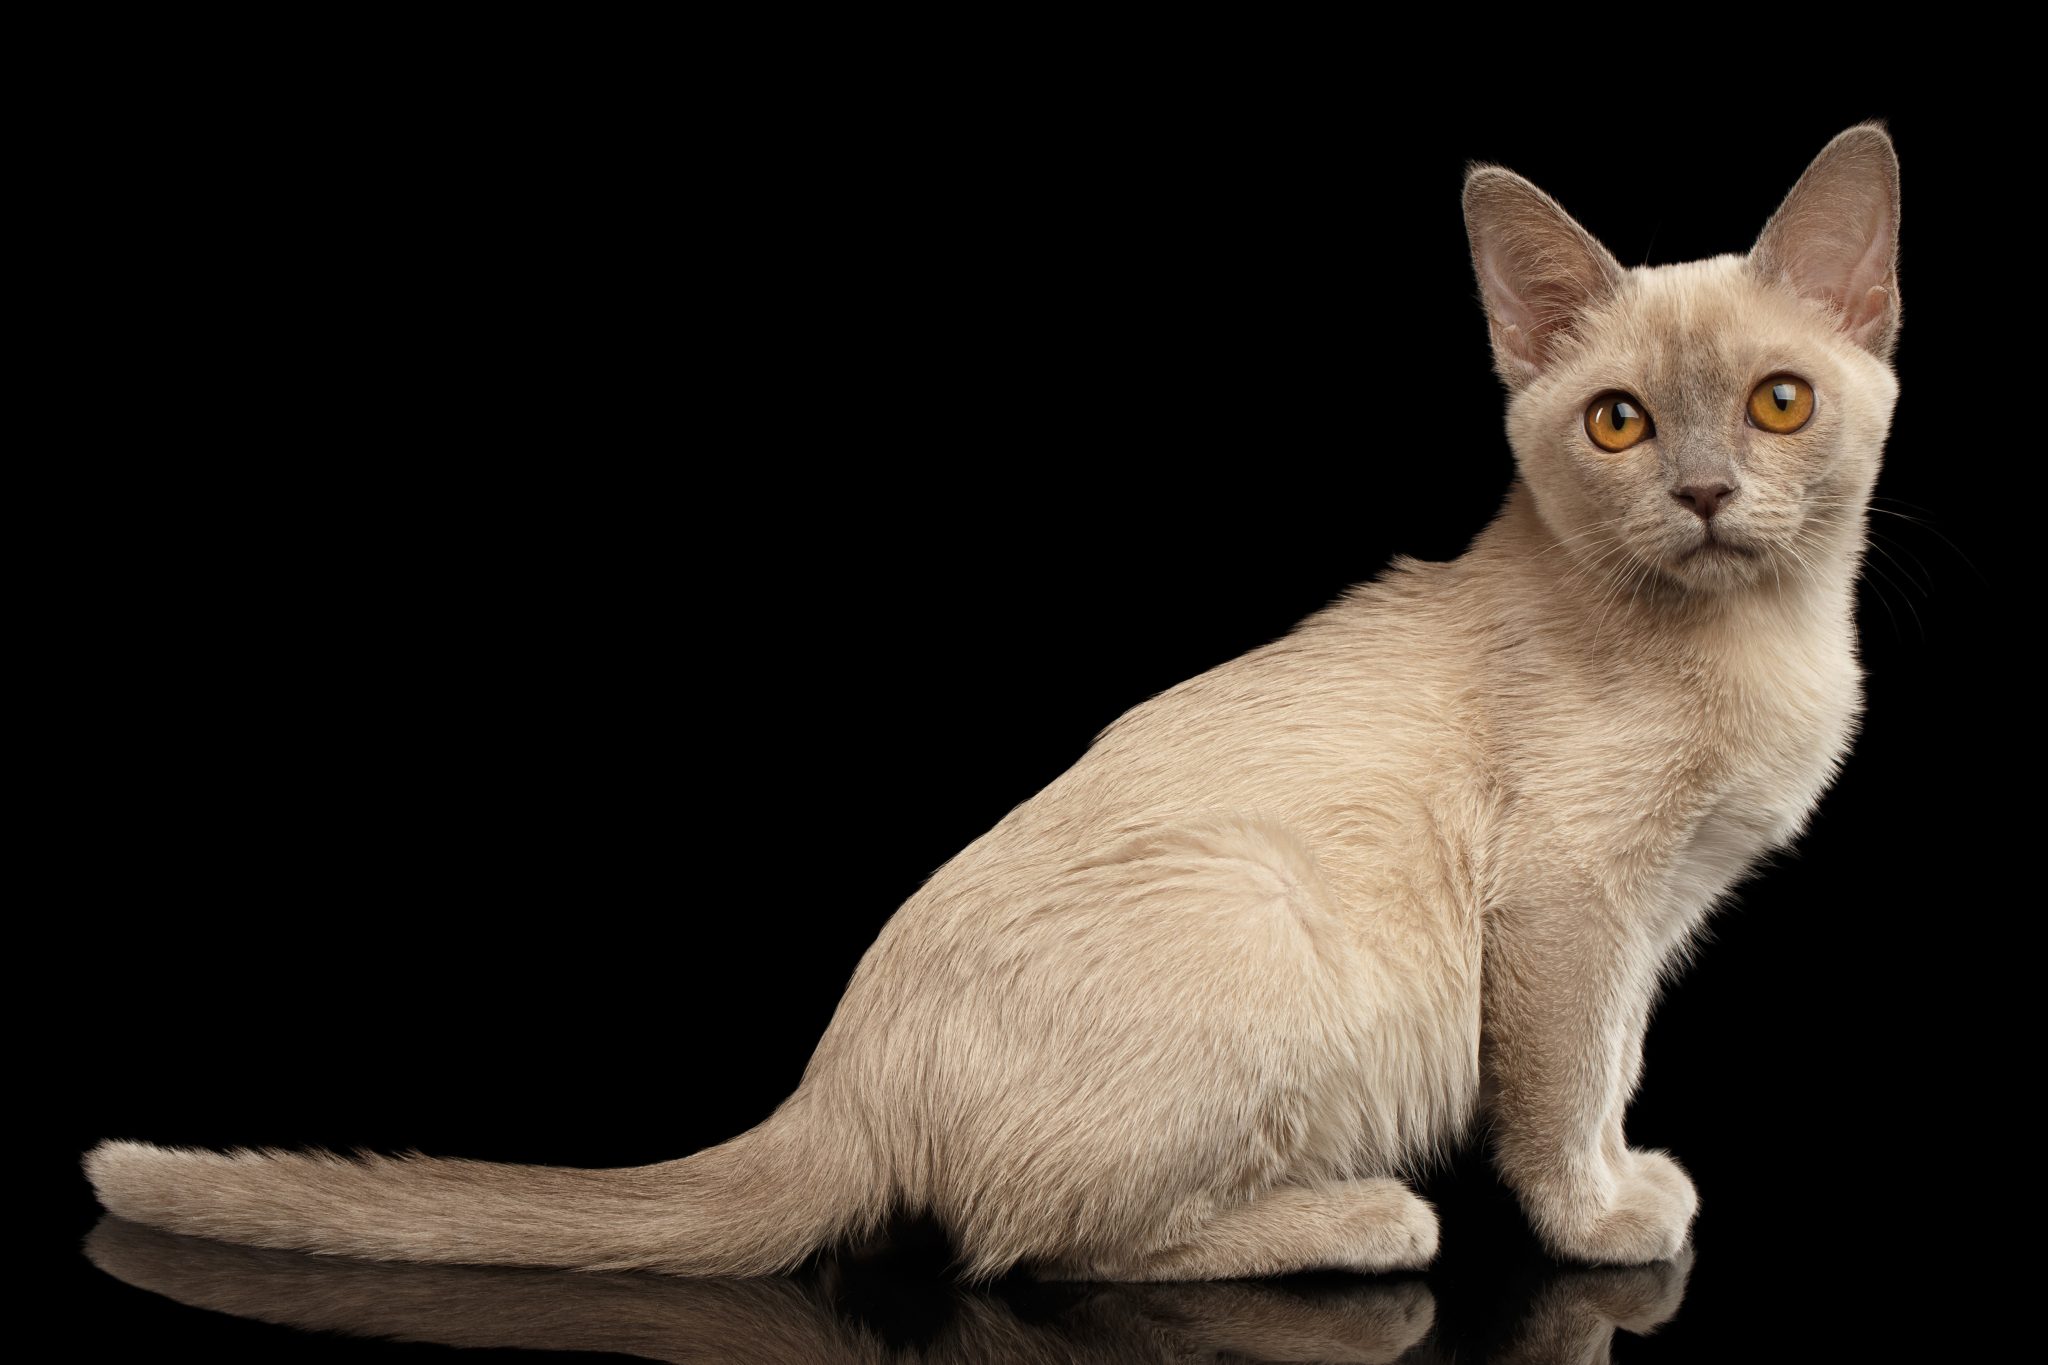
(1840, 503)
(1627, 576)
(1886, 497)
(1573, 539)
(1878, 544)
(1878, 579)
(1598, 571)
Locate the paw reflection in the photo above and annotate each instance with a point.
(1575, 1314)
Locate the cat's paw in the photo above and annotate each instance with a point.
(1662, 1170)
(1399, 1231)
(1646, 1220)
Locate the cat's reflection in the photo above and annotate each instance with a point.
(868, 1313)
(1574, 1316)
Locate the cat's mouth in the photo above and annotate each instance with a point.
(1714, 547)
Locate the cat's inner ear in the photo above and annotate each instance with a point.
(1835, 238)
(1539, 271)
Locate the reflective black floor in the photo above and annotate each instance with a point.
(892, 1310)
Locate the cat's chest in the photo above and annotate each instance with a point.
(1662, 779)
(1773, 722)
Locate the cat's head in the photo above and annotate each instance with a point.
(1714, 424)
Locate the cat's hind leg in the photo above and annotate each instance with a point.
(1370, 1225)
(1174, 1057)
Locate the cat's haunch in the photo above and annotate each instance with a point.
(1289, 929)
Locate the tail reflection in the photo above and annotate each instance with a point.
(870, 1313)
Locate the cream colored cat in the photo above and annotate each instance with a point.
(1291, 926)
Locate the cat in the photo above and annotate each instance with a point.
(1297, 926)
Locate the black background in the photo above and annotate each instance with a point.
(559, 558)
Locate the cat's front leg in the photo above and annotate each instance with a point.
(1568, 996)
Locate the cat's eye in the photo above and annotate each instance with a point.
(1781, 404)
(1616, 421)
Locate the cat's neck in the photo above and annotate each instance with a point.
(1538, 581)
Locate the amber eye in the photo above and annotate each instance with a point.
(1616, 421)
(1781, 404)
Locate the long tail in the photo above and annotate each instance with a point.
(757, 1205)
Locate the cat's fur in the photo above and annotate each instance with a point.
(1293, 925)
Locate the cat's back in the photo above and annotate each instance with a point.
(1374, 694)
(1345, 753)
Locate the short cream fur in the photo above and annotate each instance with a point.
(1291, 927)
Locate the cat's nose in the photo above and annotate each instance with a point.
(1704, 499)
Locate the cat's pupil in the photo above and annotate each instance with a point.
(1783, 393)
(1623, 415)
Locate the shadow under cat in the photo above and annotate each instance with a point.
(895, 1306)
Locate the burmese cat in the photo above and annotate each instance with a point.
(1294, 925)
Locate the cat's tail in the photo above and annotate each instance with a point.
(757, 1205)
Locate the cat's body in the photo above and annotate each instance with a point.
(1295, 924)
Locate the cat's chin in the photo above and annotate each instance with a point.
(1714, 565)
(1722, 577)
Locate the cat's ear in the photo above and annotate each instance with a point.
(1836, 236)
(1539, 271)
